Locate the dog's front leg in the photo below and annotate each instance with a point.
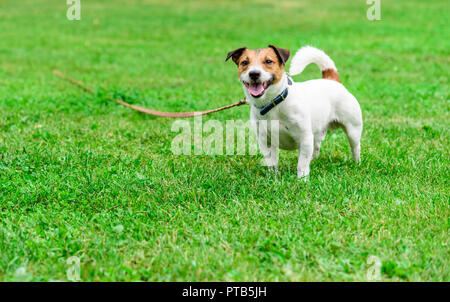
(270, 154)
(305, 156)
(268, 149)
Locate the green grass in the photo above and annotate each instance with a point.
(82, 176)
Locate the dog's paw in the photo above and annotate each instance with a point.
(302, 176)
(273, 169)
(304, 179)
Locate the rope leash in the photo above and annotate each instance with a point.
(149, 111)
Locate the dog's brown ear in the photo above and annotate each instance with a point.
(235, 54)
(282, 54)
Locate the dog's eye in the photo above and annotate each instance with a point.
(244, 63)
(268, 61)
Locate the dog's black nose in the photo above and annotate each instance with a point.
(254, 75)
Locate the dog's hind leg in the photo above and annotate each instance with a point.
(318, 138)
(354, 138)
(305, 156)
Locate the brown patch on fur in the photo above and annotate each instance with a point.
(248, 55)
(276, 67)
(330, 74)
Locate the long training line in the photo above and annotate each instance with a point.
(149, 111)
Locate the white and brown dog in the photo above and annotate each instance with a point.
(304, 111)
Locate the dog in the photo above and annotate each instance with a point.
(304, 111)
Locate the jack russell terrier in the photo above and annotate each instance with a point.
(304, 111)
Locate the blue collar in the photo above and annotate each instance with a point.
(281, 97)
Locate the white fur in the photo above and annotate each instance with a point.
(307, 55)
(311, 108)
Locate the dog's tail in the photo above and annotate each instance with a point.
(307, 55)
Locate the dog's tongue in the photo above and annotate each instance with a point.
(256, 89)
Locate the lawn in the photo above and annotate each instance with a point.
(82, 176)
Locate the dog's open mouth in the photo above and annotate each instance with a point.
(257, 89)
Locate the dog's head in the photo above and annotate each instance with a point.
(260, 70)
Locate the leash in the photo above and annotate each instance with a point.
(145, 110)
